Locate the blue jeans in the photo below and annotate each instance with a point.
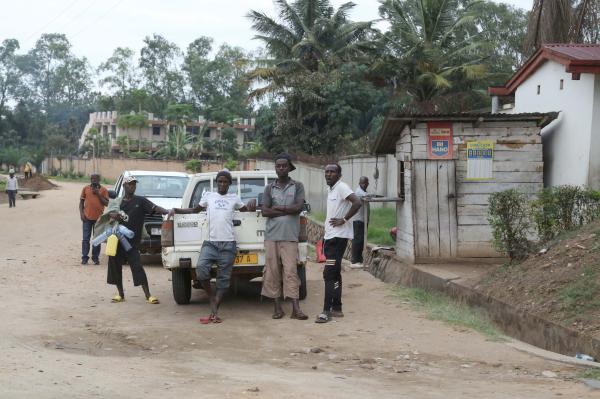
(88, 228)
(221, 253)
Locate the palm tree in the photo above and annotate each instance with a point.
(429, 52)
(310, 35)
(563, 21)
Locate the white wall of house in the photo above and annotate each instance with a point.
(568, 142)
(594, 175)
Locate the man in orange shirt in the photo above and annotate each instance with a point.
(93, 199)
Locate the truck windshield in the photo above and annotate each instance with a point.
(161, 186)
(250, 188)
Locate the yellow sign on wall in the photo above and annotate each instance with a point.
(480, 160)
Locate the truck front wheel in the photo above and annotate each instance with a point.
(302, 275)
(182, 285)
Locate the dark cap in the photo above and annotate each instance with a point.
(286, 156)
(225, 173)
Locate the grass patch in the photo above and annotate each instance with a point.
(380, 223)
(591, 373)
(2, 185)
(583, 293)
(440, 307)
(318, 216)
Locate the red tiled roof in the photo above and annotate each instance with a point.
(577, 58)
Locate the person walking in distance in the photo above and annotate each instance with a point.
(358, 223)
(220, 248)
(283, 201)
(12, 186)
(342, 204)
(92, 201)
(134, 207)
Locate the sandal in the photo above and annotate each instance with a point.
(153, 300)
(211, 319)
(278, 315)
(117, 299)
(322, 318)
(298, 316)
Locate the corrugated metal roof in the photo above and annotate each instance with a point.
(385, 143)
(576, 51)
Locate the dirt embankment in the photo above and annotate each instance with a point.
(561, 283)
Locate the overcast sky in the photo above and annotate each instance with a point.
(96, 27)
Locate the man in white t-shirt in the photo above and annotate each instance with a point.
(220, 248)
(358, 222)
(342, 204)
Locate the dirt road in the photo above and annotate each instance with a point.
(62, 338)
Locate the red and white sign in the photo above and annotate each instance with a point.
(439, 140)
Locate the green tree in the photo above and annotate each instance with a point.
(229, 144)
(161, 71)
(121, 71)
(307, 44)
(10, 74)
(219, 85)
(133, 121)
(429, 53)
(55, 74)
(503, 28)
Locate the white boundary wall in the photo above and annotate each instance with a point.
(353, 168)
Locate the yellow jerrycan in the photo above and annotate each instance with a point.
(111, 245)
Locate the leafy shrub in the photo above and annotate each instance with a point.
(193, 165)
(138, 155)
(231, 164)
(508, 216)
(563, 208)
(544, 211)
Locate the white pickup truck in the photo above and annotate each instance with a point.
(183, 236)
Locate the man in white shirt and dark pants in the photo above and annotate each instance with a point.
(342, 204)
(12, 186)
(358, 223)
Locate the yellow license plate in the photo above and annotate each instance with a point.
(246, 259)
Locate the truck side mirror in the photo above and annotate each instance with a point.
(112, 194)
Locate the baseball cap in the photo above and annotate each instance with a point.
(11, 170)
(129, 179)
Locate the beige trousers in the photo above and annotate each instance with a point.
(281, 268)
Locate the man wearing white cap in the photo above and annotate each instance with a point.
(12, 186)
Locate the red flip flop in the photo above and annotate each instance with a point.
(207, 319)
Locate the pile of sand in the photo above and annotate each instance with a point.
(36, 183)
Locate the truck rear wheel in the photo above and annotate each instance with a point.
(302, 275)
(182, 285)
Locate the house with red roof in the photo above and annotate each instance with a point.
(562, 78)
